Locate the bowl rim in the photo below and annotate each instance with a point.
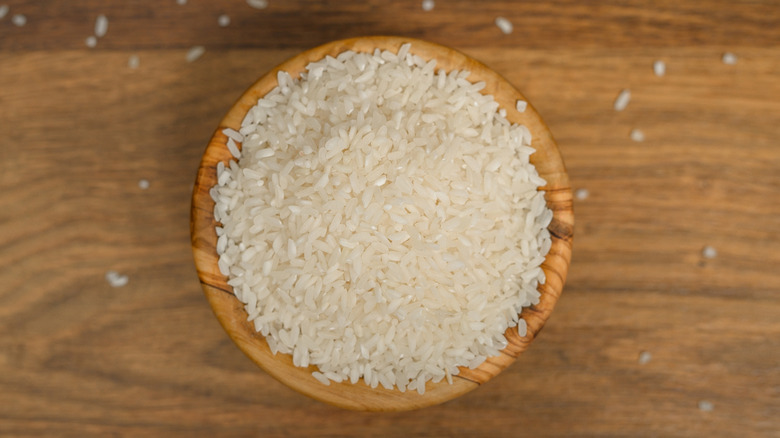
(230, 312)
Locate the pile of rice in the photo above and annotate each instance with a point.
(382, 220)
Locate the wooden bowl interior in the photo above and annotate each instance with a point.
(230, 311)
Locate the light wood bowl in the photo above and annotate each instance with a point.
(230, 311)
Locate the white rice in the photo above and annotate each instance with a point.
(3, 11)
(709, 252)
(521, 105)
(91, 41)
(644, 358)
(706, 406)
(383, 221)
(581, 194)
(101, 26)
(637, 135)
(115, 279)
(133, 61)
(19, 20)
(504, 24)
(729, 58)
(659, 68)
(257, 4)
(427, 5)
(223, 20)
(621, 102)
(143, 184)
(194, 53)
(181, 2)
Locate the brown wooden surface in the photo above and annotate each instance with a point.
(234, 318)
(78, 129)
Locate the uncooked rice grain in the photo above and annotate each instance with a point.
(383, 220)
(115, 279)
(729, 58)
(521, 105)
(644, 358)
(504, 24)
(621, 102)
(257, 4)
(133, 61)
(101, 26)
(91, 41)
(581, 194)
(706, 406)
(427, 5)
(19, 20)
(708, 252)
(659, 68)
(223, 20)
(3, 11)
(637, 135)
(194, 53)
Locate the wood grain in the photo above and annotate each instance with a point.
(234, 318)
(78, 129)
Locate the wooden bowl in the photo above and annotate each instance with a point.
(360, 396)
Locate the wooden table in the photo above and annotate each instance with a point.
(79, 129)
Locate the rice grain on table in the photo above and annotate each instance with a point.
(116, 279)
(101, 26)
(223, 20)
(91, 41)
(382, 220)
(194, 53)
(504, 24)
(427, 5)
(19, 20)
(729, 58)
(133, 61)
(621, 102)
(637, 135)
(659, 68)
(257, 4)
(521, 105)
(3, 11)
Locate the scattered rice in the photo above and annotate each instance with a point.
(637, 135)
(257, 4)
(709, 252)
(3, 11)
(143, 184)
(645, 357)
(195, 52)
(582, 194)
(621, 102)
(706, 406)
(427, 5)
(729, 58)
(133, 61)
(19, 20)
(181, 2)
(382, 220)
(504, 24)
(101, 26)
(521, 105)
(659, 68)
(115, 279)
(91, 41)
(223, 20)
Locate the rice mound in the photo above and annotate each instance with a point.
(381, 220)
